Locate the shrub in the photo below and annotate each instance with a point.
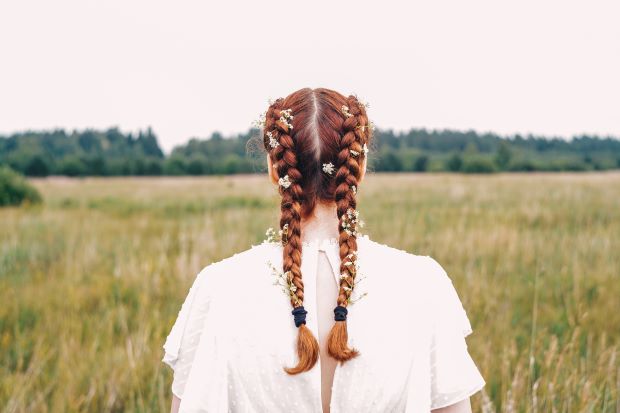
(421, 163)
(72, 166)
(523, 165)
(478, 165)
(454, 163)
(15, 190)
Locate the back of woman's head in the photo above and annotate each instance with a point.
(317, 140)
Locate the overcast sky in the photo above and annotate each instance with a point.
(188, 68)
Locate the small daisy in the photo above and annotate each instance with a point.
(273, 142)
(285, 282)
(365, 149)
(364, 104)
(328, 168)
(354, 152)
(279, 237)
(345, 111)
(350, 222)
(283, 234)
(354, 300)
(271, 235)
(285, 182)
(260, 122)
(286, 117)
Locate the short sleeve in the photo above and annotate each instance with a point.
(182, 342)
(454, 375)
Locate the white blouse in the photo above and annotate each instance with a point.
(235, 333)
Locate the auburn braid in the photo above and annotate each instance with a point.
(352, 147)
(284, 158)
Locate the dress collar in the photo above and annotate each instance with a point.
(321, 243)
(325, 243)
(331, 247)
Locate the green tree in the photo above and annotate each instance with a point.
(175, 165)
(390, 162)
(153, 167)
(478, 165)
(454, 163)
(196, 165)
(72, 166)
(37, 166)
(421, 163)
(503, 155)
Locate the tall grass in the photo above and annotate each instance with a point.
(91, 282)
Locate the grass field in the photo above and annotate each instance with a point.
(91, 282)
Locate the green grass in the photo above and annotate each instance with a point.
(92, 280)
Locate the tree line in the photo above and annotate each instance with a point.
(114, 153)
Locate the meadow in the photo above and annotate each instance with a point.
(92, 280)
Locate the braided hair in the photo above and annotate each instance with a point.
(351, 148)
(308, 128)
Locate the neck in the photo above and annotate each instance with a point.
(323, 223)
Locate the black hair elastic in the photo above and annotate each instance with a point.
(341, 313)
(300, 315)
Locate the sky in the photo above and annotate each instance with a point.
(189, 68)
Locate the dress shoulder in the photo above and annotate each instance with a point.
(454, 374)
(212, 282)
(451, 308)
(417, 272)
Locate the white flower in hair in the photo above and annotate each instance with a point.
(284, 182)
(363, 103)
(370, 126)
(328, 168)
(345, 111)
(281, 236)
(286, 117)
(283, 233)
(354, 189)
(287, 113)
(353, 300)
(260, 122)
(353, 152)
(365, 149)
(273, 142)
(271, 235)
(350, 222)
(285, 281)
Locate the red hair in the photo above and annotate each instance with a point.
(325, 127)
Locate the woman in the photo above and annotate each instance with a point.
(395, 341)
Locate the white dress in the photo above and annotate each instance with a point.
(235, 333)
